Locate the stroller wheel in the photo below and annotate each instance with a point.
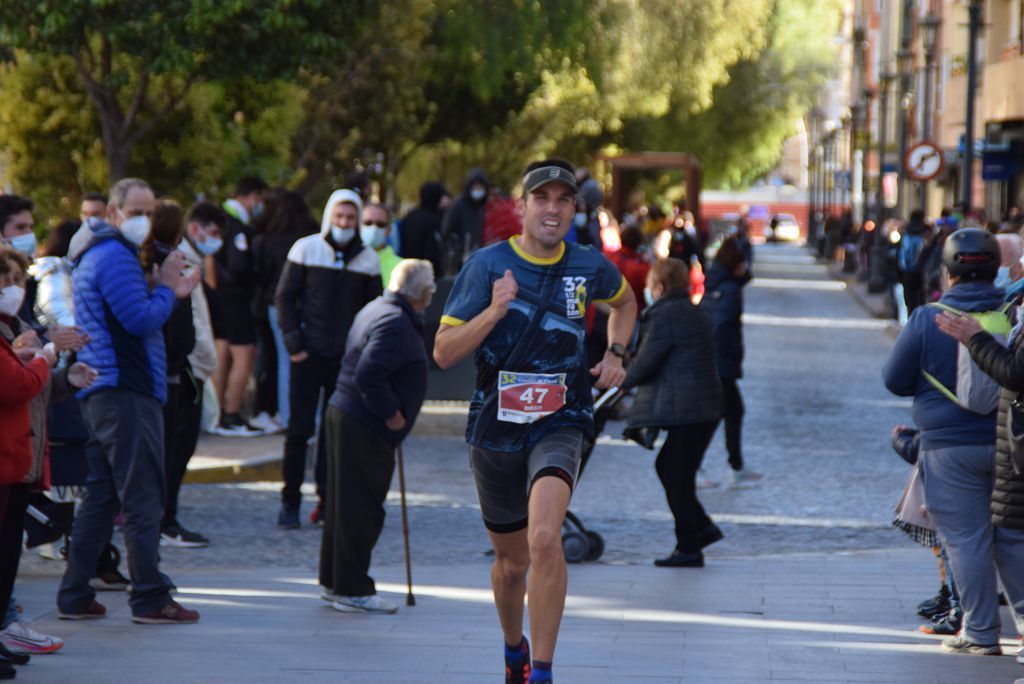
(596, 545)
(576, 547)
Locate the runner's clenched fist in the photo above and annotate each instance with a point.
(503, 292)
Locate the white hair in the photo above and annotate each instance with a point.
(411, 278)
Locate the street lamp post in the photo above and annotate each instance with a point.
(967, 175)
(876, 277)
(929, 34)
(905, 67)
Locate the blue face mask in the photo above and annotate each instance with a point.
(648, 297)
(1003, 279)
(26, 244)
(373, 236)
(580, 219)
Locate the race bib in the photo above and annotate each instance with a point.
(528, 397)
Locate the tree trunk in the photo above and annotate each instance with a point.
(117, 152)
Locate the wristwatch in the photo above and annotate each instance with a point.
(618, 350)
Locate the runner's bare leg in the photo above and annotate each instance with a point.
(548, 577)
(508, 579)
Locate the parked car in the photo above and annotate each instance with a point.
(782, 227)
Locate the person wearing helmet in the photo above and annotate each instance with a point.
(958, 439)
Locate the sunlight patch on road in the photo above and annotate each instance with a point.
(815, 322)
(770, 267)
(795, 521)
(795, 284)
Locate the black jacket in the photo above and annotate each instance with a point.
(674, 367)
(270, 252)
(1007, 368)
(464, 221)
(321, 289)
(179, 337)
(236, 272)
(723, 305)
(385, 367)
(420, 230)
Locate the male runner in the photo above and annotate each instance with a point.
(520, 305)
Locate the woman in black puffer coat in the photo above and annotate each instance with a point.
(679, 391)
(1006, 366)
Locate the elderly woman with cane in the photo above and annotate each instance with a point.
(679, 391)
(381, 387)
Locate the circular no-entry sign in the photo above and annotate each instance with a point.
(923, 161)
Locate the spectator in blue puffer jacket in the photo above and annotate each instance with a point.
(124, 317)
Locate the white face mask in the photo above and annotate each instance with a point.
(210, 247)
(135, 229)
(26, 244)
(374, 237)
(342, 236)
(11, 298)
(477, 194)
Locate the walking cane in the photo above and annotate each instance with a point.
(410, 600)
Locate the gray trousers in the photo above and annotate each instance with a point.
(126, 472)
(958, 483)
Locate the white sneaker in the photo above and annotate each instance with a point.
(743, 478)
(49, 551)
(364, 604)
(1020, 653)
(269, 424)
(703, 482)
(20, 638)
(329, 597)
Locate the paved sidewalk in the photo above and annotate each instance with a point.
(799, 618)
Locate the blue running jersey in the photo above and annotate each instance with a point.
(532, 372)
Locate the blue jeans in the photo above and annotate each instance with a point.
(125, 452)
(284, 367)
(958, 483)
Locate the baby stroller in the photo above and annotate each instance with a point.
(578, 543)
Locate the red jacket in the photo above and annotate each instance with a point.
(19, 383)
(634, 268)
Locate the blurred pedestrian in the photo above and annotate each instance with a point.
(958, 440)
(235, 278)
(678, 390)
(462, 231)
(122, 409)
(632, 263)
(723, 303)
(326, 281)
(420, 230)
(94, 205)
(374, 231)
(380, 389)
(912, 243)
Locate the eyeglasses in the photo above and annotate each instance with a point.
(379, 224)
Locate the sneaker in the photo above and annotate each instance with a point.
(49, 551)
(517, 670)
(962, 645)
(743, 478)
(232, 425)
(171, 614)
(266, 423)
(110, 580)
(937, 605)
(364, 604)
(20, 638)
(330, 597)
(176, 535)
(703, 482)
(288, 518)
(945, 625)
(94, 611)
(317, 516)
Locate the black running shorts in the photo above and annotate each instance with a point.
(503, 479)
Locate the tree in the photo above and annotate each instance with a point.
(138, 60)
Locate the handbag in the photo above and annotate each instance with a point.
(1015, 433)
(910, 508)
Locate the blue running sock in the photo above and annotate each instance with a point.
(517, 652)
(541, 672)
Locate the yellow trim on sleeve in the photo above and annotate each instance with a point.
(452, 321)
(540, 261)
(622, 289)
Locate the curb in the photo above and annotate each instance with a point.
(436, 419)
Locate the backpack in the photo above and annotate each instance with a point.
(910, 248)
(976, 391)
